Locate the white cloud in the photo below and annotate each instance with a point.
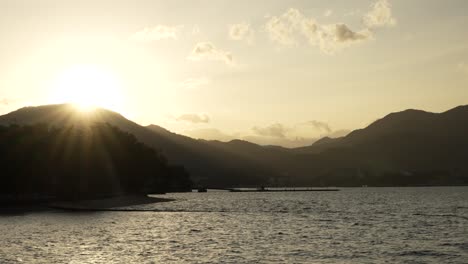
(283, 29)
(193, 83)
(242, 31)
(208, 51)
(328, 13)
(310, 29)
(158, 32)
(380, 15)
(289, 28)
(194, 118)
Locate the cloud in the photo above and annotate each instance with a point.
(209, 134)
(296, 135)
(338, 36)
(291, 26)
(284, 142)
(193, 118)
(301, 130)
(353, 12)
(339, 133)
(310, 29)
(196, 30)
(5, 101)
(343, 34)
(301, 134)
(322, 126)
(275, 130)
(241, 31)
(193, 83)
(328, 13)
(380, 15)
(283, 29)
(462, 67)
(159, 32)
(216, 134)
(208, 51)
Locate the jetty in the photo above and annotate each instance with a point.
(264, 189)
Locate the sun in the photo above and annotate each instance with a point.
(88, 87)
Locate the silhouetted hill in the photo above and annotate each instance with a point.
(406, 148)
(324, 140)
(319, 146)
(81, 162)
(208, 163)
(215, 163)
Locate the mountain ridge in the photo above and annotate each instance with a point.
(412, 141)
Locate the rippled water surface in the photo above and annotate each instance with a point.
(355, 225)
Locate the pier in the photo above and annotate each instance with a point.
(264, 189)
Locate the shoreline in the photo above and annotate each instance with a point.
(108, 204)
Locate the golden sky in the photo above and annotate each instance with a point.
(270, 71)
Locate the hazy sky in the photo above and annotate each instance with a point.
(274, 72)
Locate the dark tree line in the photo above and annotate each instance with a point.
(78, 162)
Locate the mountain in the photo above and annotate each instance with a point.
(319, 145)
(216, 163)
(411, 147)
(208, 163)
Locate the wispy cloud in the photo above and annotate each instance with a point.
(275, 130)
(353, 12)
(5, 101)
(209, 134)
(321, 126)
(194, 118)
(284, 142)
(328, 13)
(462, 67)
(308, 129)
(241, 31)
(339, 133)
(301, 134)
(158, 32)
(296, 135)
(208, 51)
(193, 83)
(380, 15)
(196, 30)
